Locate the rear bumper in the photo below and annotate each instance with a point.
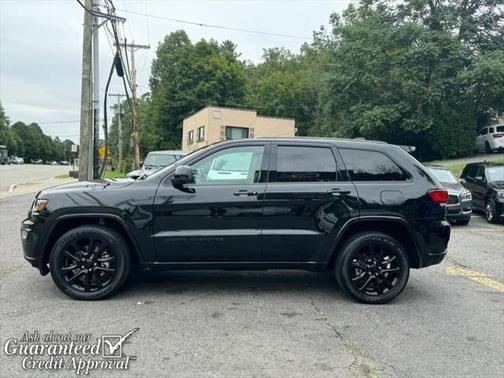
(431, 238)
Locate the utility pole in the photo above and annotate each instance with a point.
(90, 93)
(119, 124)
(95, 162)
(86, 135)
(134, 110)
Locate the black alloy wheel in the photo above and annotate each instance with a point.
(89, 262)
(372, 268)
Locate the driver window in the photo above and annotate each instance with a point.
(237, 165)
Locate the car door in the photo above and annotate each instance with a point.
(306, 203)
(218, 217)
(479, 187)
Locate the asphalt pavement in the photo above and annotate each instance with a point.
(449, 321)
(28, 173)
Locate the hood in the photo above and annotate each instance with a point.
(453, 188)
(82, 186)
(498, 185)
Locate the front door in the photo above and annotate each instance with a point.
(218, 217)
(306, 203)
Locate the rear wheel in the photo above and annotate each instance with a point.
(372, 268)
(90, 262)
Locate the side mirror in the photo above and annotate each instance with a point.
(480, 178)
(462, 181)
(183, 175)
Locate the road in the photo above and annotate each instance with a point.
(448, 321)
(28, 173)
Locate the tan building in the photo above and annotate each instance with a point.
(213, 124)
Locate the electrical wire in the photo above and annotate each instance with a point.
(251, 31)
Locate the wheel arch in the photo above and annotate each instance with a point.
(394, 226)
(67, 222)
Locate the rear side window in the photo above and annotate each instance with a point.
(304, 164)
(483, 132)
(371, 166)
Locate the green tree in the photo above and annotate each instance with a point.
(185, 78)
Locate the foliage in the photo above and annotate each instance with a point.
(29, 142)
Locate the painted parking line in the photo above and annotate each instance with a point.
(481, 278)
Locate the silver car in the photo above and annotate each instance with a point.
(156, 160)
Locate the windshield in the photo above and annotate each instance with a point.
(495, 174)
(443, 175)
(159, 160)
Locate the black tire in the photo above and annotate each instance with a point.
(105, 265)
(464, 222)
(488, 150)
(491, 211)
(362, 248)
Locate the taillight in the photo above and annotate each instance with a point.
(438, 195)
(498, 135)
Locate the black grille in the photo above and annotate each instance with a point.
(452, 200)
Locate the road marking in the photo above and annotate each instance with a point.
(481, 278)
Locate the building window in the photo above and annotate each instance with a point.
(236, 133)
(201, 134)
(217, 114)
(190, 137)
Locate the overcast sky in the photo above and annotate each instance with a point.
(41, 46)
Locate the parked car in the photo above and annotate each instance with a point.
(459, 207)
(17, 160)
(64, 162)
(366, 210)
(38, 161)
(490, 139)
(156, 160)
(486, 183)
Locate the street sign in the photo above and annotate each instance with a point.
(75, 147)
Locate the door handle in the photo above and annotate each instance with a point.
(244, 193)
(337, 192)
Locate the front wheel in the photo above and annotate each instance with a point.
(372, 268)
(490, 211)
(90, 262)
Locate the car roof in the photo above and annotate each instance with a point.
(168, 152)
(434, 166)
(486, 164)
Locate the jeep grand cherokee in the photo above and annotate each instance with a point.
(366, 210)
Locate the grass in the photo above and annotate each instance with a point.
(113, 175)
(63, 176)
(457, 168)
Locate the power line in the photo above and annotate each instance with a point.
(216, 26)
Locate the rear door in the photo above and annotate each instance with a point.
(306, 203)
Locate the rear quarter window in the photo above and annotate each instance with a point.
(364, 165)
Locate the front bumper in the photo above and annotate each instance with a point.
(29, 239)
(460, 211)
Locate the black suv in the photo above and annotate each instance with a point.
(367, 210)
(486, 183)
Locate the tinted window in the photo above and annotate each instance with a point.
(371, 166)
(500, 129)
(484, 132)
(491, 130)
(471, 171)
(238, 165)
(305, 164)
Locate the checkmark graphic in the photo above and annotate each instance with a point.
(114, 343)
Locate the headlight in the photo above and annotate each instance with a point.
(39, 205)
(465, 196)
(500, 194)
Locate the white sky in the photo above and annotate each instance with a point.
(41, 46)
